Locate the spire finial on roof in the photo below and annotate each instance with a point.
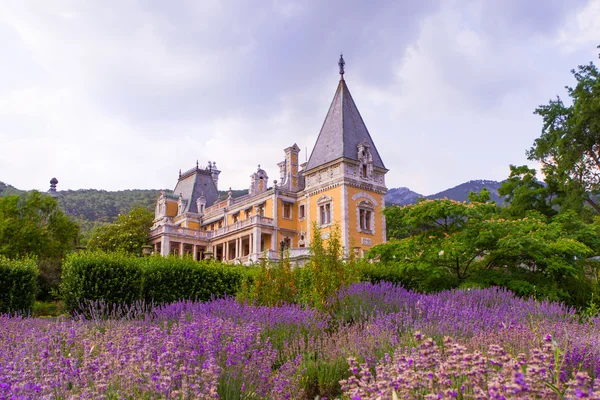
(341, 64)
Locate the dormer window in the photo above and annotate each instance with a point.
(365, 159)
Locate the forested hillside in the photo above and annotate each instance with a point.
(91, 207)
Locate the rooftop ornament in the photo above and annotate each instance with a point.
(341, 64)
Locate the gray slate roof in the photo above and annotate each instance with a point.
(192, 184)
(342, 131)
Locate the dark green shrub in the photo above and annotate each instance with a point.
(49, 279)
(114, 278)
(173, 278)
(414, 279)
(18, 284)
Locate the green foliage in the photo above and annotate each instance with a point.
(327, 271)
(47, 309)
(418, 280)
(18, 284)
(115, 278)
(312, 284)
(568, 147)
(459, 238)
(525, 193)
(128, 234)
(119, 278)
(275, 284)
(173, 278)
(33, 225)
(49, 279)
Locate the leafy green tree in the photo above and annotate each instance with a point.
(460, 238)
(525, 193)
(33, 225)
(569, 147)
(129, 233)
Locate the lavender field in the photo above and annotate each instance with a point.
(377, 339)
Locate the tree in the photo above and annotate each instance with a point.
(525, 193)
(569, 147)
(129, 233)
(458, 238)
(33, 225)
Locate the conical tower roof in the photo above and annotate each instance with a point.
(342, 131)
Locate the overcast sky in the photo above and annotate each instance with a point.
(122, 94)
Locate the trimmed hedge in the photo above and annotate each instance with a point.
(18, 284)
(116, 278)
(170, 279)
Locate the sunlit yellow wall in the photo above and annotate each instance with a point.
(171, 208)
(336, 215)
(269, 208)
(354, 237)
(287, 223)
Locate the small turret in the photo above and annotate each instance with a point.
(215, 173)
(259, 181)
(53, 183)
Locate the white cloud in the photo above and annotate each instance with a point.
(116, 97)
(583, 30)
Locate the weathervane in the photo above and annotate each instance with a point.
(341, 63)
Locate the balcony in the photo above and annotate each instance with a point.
(255, 220)
(185, 232)
(208, 235)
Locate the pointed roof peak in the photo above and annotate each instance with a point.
(343, 130)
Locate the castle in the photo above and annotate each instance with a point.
(342, 183)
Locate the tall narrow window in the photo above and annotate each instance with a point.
(287, 210)
(301, 211)
(325, 212)
(364, 170)
(365, 217)
(325, 205)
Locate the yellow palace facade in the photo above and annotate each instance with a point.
(343, 184)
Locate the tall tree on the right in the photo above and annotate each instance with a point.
(569, 147)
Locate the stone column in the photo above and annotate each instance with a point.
(195, 252)
(164, 246)
(180, 249)
(226, 251)
(257, 238)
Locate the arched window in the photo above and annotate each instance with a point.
(366, 212)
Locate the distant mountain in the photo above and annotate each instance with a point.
(461, 192)
(403, 195)
(6, 190)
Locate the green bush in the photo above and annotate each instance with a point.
(418, 280)
(114, 278)
(173, 278)
(18, 284)
(117, 278)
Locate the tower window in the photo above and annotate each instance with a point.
(364, 170)
(301, 211)
(365, 217)
(325, 214)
